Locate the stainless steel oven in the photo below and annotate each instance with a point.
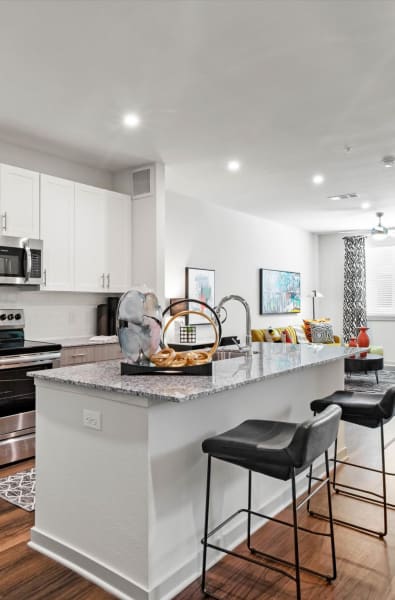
(17, 392)
(20, 261)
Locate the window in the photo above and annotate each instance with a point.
(380, 280)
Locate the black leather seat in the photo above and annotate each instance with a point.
(367, 410)
(275, 448)
(280, 450)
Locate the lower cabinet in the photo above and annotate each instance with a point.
(78, 355)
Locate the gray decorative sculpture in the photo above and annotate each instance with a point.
(139, 320)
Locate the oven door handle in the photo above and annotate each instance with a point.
(28, 360)
(28, 261)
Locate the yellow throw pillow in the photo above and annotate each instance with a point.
(258, 335)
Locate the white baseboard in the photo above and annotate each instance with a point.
(125, 589)
(87, 567)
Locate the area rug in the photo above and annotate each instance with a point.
(19, 489)
(359, 382)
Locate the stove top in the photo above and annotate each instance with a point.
(12, 336)
(16, 346)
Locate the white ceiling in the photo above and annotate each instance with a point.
(282, 85)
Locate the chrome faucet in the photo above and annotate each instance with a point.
(224, 300)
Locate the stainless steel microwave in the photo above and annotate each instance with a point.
(20, 261)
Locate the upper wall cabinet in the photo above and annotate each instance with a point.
(90, 241)
(119, 242)
(19, 202)
(57, 232)
(102, 246)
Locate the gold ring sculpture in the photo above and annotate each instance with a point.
(167, 357)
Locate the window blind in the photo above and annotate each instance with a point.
(380, 280)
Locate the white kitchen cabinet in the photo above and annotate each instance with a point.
(90, 239)
(19, 202)
(119, 242)
(57, 232)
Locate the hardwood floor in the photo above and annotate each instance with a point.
(366, 564)
(27, 574)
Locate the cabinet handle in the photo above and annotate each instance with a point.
(4, 215)
(78, 354)
(108, 280)
(102, 280)
(45, 277)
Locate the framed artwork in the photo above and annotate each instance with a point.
(279, 292)
(200, 285)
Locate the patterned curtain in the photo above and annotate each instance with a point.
(354, 308)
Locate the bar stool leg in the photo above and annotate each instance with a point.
(328, 489)
(203, 585)
(249, 510)
(334, 466)
(296, 540)
(384, 479)
(309, 488)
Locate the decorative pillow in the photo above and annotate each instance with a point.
(322, 333)
(291, 334)
(258, 335)
(272, 335)
(307, 325)
(300, 335)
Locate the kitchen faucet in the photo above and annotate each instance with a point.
(224, 300)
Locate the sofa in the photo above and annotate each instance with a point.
(310, 331)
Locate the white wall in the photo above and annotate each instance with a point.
(236, 245)
(35, 160)
(331, 268)
(54, 314)
(148, 228)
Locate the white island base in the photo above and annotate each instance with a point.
(124, 505)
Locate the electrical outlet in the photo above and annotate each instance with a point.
(91, 419)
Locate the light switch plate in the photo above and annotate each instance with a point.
(91, 419)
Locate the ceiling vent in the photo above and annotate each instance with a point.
(350, 196)
(141, 182)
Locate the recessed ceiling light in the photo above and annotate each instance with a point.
(388, 161)
(131, 120)
(233, 165)
(365, 205)
(318, 179)
(334, 198)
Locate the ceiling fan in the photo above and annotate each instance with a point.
(378, 232)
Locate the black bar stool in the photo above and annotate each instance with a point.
(280, 450)
(367, 410)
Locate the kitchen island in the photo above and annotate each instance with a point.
(121, 474)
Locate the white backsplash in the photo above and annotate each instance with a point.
(54, 314)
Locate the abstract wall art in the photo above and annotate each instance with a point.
(279, 292)
(200, 285)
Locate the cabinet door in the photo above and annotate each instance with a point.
(19, 199)
(90, 239)
(119, 226)
(57, 232)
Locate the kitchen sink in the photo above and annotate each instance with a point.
(227, 354)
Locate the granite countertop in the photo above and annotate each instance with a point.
(84, 341)
(268, 360)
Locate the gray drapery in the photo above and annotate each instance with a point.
(354, 304)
